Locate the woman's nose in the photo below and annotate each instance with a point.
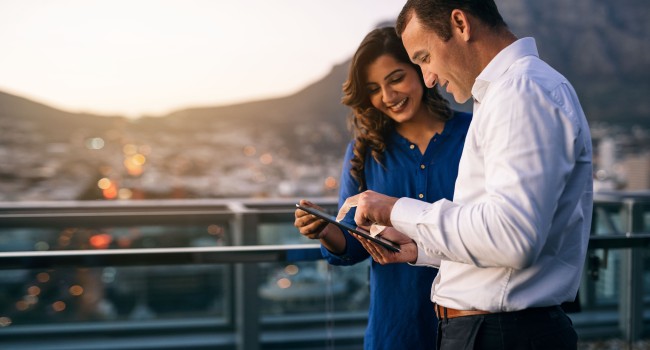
(387, 95)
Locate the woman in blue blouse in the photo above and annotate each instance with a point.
(407, 143)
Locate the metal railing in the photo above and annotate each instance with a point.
(620, 223)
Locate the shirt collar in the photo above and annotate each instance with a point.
(449, 127)
(500, 64)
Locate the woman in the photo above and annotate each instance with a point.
(407, 143)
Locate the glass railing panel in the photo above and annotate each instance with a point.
(280, 233)
(95, 295)
(308, 287)
(313, 287)
(613, 306)
(604, 280)
(114, 237)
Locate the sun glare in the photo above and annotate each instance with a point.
(151, 57)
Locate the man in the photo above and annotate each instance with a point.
(511, 246)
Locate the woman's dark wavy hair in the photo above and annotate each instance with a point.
(370, 126)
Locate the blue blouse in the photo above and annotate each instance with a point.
(401, 314)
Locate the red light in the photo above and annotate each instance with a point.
(101, 241)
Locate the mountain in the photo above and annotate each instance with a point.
(56, 124)
(318, 103)
(601, 46)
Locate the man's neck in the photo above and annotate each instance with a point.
(491, 43)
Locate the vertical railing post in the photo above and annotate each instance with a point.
(246, 282)
(588, 284)
(631, 303)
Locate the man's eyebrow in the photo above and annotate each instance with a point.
(417, 56)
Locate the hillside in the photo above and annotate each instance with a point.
(601, 46)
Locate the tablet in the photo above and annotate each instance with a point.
(390, 245)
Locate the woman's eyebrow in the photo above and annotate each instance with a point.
(398, 70)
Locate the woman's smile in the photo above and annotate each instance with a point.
(399, 106)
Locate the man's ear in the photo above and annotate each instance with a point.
(460, 24)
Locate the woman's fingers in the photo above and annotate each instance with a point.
(376, 251)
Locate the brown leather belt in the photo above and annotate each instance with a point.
(447, 312)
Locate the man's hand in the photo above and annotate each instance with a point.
(372, 208)
(408, 250)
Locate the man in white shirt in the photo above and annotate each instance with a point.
(511, 246)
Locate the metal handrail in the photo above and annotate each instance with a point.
(620, 241)
(159, 256)
(218, 255)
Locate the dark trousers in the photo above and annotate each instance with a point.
(535, 328)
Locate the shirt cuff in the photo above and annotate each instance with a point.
(406, 212)
(406, 217)
(425, 259)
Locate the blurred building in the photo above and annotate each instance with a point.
(637, 171)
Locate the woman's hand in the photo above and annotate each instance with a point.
(408, 249)
(309, 225)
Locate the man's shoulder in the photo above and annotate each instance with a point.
(532, 70)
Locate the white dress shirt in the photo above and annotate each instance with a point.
(515, 235)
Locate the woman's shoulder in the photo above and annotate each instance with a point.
(462, 119)
(462, 116)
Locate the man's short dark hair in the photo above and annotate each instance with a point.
(434, 14)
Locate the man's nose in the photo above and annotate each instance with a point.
(429, 79)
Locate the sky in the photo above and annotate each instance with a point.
(151, 57)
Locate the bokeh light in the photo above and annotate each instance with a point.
(76, 290)
(124, 193)
(284, 283)
(43, 277)
(266, 158)
(34, 290)
(249, 151)
(101, 241)
(5, 321)
(291, 269)
(104, 183)
(58, 306)
(95, 143)
(331, 183)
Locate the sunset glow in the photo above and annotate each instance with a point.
(151, 57)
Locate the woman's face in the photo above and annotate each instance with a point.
(394, 88)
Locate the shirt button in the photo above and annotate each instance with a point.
(422, 166)
(412, 146)
(420, 195)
